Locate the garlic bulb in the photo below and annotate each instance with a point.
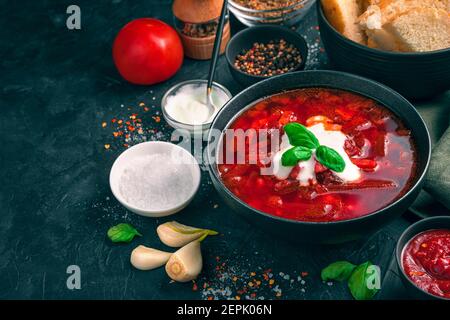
(174, 234)
(185, 264)
(144, 258)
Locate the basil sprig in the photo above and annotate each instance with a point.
(362, 280)
(123, 232)
(330, 158)
(292, 156)
(300, 137)
(339, 271)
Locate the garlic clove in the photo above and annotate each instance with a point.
(185, 264)
(144, 258)
(174, 234)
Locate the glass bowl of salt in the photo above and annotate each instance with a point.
(184, 105)
(155, 178)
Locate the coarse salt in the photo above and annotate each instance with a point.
(156, 182)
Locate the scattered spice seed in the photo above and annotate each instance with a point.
(107, 146)
(269, 59)
(104, 124)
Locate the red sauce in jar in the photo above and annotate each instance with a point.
(426, 261)
(376, 141)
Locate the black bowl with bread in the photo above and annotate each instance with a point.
(403, 43)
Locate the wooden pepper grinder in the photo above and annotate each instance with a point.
(196, 22)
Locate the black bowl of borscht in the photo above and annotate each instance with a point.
(423, 258)
(318, 156)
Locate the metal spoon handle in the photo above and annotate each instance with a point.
(216, 48)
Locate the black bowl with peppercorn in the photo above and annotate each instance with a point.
(258, 53)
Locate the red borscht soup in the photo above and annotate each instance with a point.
(338, 156)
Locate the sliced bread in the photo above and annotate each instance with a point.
(343, 15)
(421, 29)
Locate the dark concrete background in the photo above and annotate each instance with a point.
(57, 87)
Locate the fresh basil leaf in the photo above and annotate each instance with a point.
(292, 156)
(123, 232)
(339, 271)
(364, 281)
(299, 135)
(330, 158)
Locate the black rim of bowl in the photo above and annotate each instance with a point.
(252, 29)
(420, 178)
(399, 250)
(373, 50)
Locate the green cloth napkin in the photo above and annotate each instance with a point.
(437, 182)
(436, 114)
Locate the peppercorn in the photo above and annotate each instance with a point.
(272, 58)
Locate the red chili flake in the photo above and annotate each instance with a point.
(304, 274)
(115, 134)
(217, 258)
(157, 118)
(317, 27)
(127, 123)
(194, 287)
(125, 145)
(140, 131)
(113, 120)
(237, 298)
(210, 298)
(104, 124)
(253, 295)
(133, 116)
(131, 128)
(146, 109)
(127, 136)
(205, 285)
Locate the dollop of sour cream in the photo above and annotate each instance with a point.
(332, 139)
(188, 104)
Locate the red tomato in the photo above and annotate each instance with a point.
(147, 51)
